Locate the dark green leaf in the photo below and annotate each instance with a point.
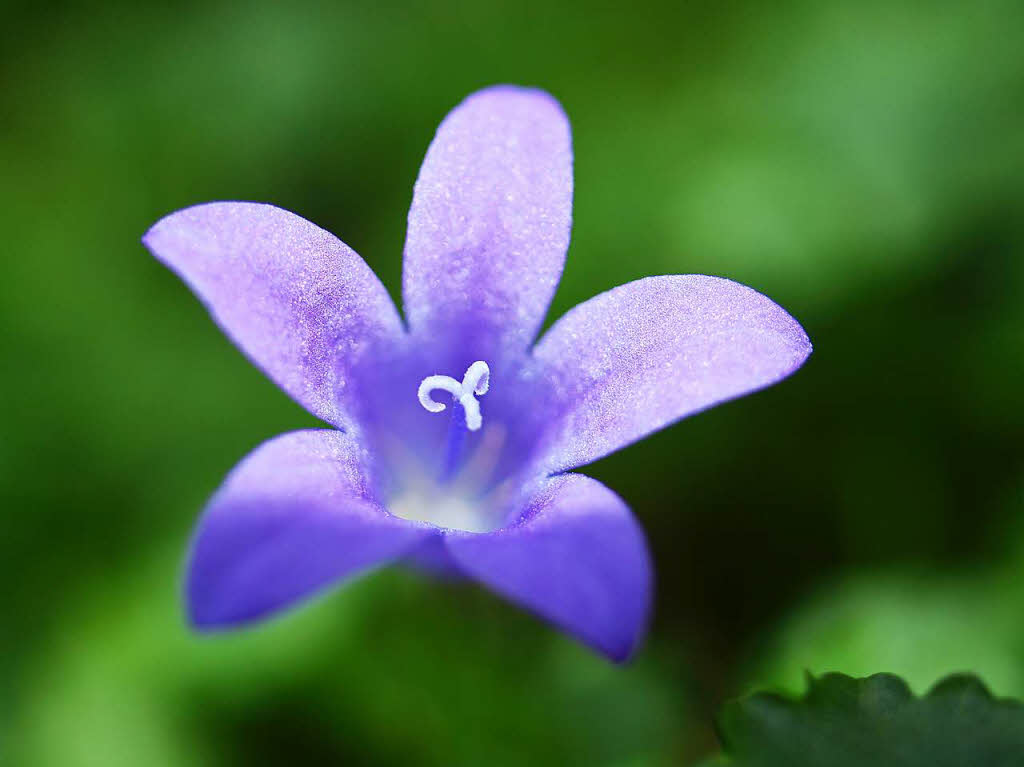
(877, 721)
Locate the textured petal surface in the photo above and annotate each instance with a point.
(296, 515)
(645, 354)
(301, 304)
(577, 559)
(489, 224)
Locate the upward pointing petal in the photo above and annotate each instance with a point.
(298, 301)
(489, 224)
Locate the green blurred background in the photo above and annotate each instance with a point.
(861, 163)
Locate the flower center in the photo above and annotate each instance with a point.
(443, 509)
(453, 493)
(474, 384)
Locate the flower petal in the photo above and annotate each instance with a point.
(578, 559)
(489, 224)
(645, 354)
(294, 516)
(298, 301)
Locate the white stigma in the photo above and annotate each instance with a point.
(473, 385)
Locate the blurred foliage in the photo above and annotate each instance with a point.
(859, 163)
(921, 624)
(847, 722)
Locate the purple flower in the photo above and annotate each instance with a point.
(484, 490)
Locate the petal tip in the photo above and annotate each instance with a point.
(799, 341)
(191, 214)
(624, 650)
(510, 92)
(204, 614)
(201, 623)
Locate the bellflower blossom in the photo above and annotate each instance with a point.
(486, 489)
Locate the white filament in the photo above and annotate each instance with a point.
(474, 384)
